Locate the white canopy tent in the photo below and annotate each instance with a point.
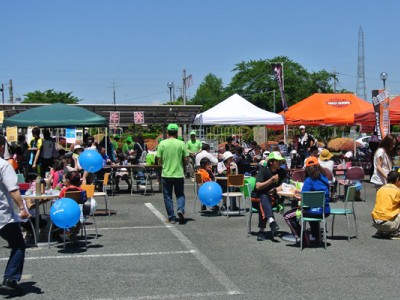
(237, 111)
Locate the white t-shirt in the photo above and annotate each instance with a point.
(377, 177)
(203, 154)
(8, 182)
(328, 164)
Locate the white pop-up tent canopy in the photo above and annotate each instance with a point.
(237, 111)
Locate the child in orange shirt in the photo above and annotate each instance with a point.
(206, 175)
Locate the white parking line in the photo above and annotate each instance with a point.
(171, 296)
(220, 276)
(129, 227)
(102, 255)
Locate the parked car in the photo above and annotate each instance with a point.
(363, 140)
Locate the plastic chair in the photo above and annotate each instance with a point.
(353, 174)
(20, 178)
(78, 197)
(138, 180)
(233, 181)
(254, 209)
(89, 189)
(312, 200)
(345, 211)
(198, 182)
(331, 179)
(299, 175)
(104, 192)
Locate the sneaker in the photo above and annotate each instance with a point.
(382, 234)
(181, 218)
(173, 221)
(11, 286)
(215, 208)
(395, 236)
(274, 228)
(261, 236)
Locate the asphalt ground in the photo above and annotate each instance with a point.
(138, 256)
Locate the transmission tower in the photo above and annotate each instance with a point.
(361, 89)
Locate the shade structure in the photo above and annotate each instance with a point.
(56, 115)
(326, 109)
(367, 117)
(237, 111)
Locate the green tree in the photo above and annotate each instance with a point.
(50, 96)
(256, 82)
(209, 93)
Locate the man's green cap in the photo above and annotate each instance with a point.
(129, 139)
(193, 133)
(172, 127)
(275, 155)
(116, 136)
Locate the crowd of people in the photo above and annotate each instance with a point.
(42, 157)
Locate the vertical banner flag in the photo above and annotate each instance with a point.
(278, 71)
(114, 118)
(380, 101)
(138, 117)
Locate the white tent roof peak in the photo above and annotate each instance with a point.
(237, 111)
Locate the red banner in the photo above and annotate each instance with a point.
(380, 100)
(278, 71)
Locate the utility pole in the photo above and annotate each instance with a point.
(114, 100)
(2, 92)
(184, 86)
(11, 92)
(361, 87)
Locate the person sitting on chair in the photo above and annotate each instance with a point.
(386, 212)
(315, 181)
(122, 173)
(206, 173)
(269, 179)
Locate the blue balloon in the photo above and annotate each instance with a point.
(65, 213)
(210, 193)
(91, 161)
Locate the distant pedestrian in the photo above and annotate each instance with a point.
(306, 141)
(173, 155)
(9, 225)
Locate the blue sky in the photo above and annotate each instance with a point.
(81, 46)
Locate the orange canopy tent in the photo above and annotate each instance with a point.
(325, 109)
(367, 117)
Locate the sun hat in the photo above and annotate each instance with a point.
(77, 147)
(193, 133)
(226, 155)
(172, 127)
(325, 155)
(275, 155)
(302, 127)
(311, 161)
(266, 153)
(348, 154)
(129, 139)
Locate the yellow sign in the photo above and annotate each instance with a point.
(12, 134)
(1, 116)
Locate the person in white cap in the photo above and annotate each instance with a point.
(306, 141)
(224, 168)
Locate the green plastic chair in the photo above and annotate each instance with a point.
(345, 211)
(312, 200)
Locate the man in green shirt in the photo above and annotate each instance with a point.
(194, 147)
(173, 156)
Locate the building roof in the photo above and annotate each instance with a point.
(153, 114)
